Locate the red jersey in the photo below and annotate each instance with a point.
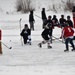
(0, 34)
(67, 31)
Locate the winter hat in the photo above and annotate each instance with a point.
(68, 16)
(43, 9)
(54, 16)
(26, 25)
(31, 11)
(49, 16)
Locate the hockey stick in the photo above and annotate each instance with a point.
(58, 39)
(20, 24)
(37, 16)
(20, 31)
(6, 46)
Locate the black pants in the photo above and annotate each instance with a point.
(25, 39)
(32, 25)
(44, 20)
(45, 37)
(69, 40)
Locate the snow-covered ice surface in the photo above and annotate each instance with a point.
(32, 60)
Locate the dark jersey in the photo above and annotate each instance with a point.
(70, 23)
(45, 32)
(25, 33)
(43, 15)
(31, 18)
(49, 23)
(62, 21)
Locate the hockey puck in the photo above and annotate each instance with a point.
(10, 48)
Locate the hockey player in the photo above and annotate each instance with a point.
(46, 38)
(69, 21)
(26, 34)
(47, 33)
(43, 14)
(49, 22)
(31, 20)
(62, 21)
(67, 34)
(55, 20)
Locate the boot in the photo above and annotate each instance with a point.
(49, 47)
(40, 45)
(66, 50)
(73, 49)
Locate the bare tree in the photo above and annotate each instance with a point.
(54, 8)
(24, 5)
(69, 5)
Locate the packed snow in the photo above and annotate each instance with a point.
(30, 59)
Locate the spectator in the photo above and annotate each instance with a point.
(43, 14)
(31, 20)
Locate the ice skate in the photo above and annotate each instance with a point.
(29, 43)
(73, 49)
(49, 47)
(66, 50)
(40, 45)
